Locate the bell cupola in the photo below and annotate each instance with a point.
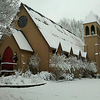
(91, 25)
(92, 38)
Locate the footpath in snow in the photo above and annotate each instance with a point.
(84, 89)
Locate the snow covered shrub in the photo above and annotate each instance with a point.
(97, 76)
(92, 67)
(18, 73)
(1, 78)
(75, 65)
(84, 68)
(34, 63)
(73, 62)
(59, 61)
(27, 74)
(59, 65)
(69, 77)
(7, 81)
(46, 76)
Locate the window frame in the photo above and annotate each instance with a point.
(22, 22)
(87, 30)
(92, 29)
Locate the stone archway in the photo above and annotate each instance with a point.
(7, 59)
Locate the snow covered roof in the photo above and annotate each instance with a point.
(21, 40)
(91, 18)
(55, 34)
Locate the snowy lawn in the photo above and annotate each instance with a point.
(84, 89)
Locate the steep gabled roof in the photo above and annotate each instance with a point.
(91, 18)
(55, 34)
(21, 40)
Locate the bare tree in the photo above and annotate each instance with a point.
(8, 11)
(76, 27)
(98, 18)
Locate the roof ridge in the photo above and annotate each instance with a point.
(49, 19)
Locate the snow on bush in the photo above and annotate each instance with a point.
(18, 73)
(5, 80)
(84, 67)
(92, 67)
(73, 63)
(34, 62)
(60, 64)
(46, 75)
(59, 61)
(8, 11)
(22, 78)
(27, 78)
(76, 65)
(69, 77)
(27, 74)
(97, 76)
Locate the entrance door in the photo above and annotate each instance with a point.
(7, 57)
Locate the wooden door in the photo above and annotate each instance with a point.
(7, 57)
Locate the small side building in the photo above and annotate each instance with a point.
(15, 45)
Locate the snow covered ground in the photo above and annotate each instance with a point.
(84, 89)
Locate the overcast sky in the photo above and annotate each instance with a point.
(59, 9)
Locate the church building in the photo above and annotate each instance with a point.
(37, 34)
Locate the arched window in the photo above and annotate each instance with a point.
(92, 30)
(87, 30)
(98, 30)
